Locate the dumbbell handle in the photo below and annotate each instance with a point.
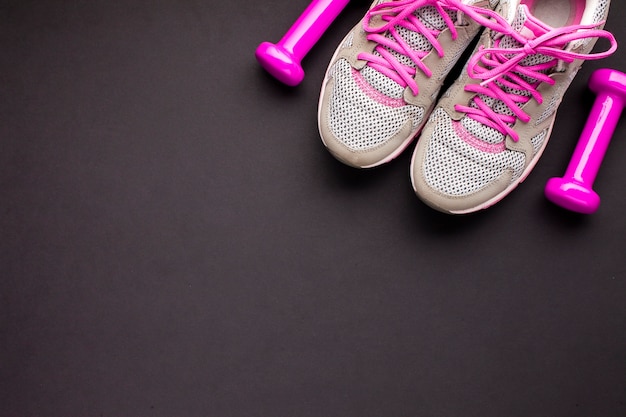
(595, 138)
(574, 191)
(284, 59)
(311, 25)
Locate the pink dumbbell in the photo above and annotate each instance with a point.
(574, 191)
(283, 60)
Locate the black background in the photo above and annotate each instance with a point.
(176, 241)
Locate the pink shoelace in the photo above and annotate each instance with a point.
(400, 13)
(500, 68)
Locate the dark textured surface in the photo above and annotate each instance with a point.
(177, 242)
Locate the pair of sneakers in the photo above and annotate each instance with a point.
(484, 135)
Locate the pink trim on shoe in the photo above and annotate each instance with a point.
(374, 94)
(475, 142)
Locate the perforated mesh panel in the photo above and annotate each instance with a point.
(601, 11)
(481, 131)
(456, 168)
(358, 121)
(382, 83)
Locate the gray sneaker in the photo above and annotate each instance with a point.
(384, 77)
(490, 128)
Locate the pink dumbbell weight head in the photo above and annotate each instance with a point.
(573, 191)
(283, 60)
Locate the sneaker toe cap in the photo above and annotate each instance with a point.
(359, 129)
(451, 175)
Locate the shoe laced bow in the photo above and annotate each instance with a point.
(502, 72)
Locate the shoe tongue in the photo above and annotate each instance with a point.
(526, 25)
(431, 19)
(529, 27)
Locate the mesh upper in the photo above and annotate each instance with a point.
(456, 168)
(357, 120)
(362, 122)
(600, 11)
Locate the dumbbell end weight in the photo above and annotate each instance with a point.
(574, 190)
(572, 195)
(280, 63)
(283, 59)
